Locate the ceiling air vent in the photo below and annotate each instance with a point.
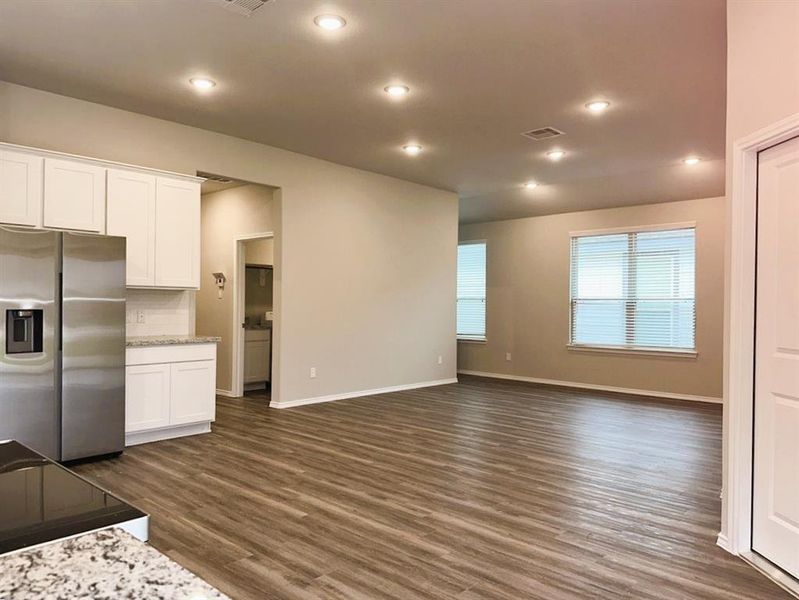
(212, 177)
(544, 133)
(242, 7)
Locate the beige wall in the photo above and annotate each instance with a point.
(528, 302)
(260, 252)
(762, 88)
(393, 242)
(227, 214)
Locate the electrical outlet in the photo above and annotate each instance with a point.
(440, 359)
(313, 372)
(507, 356)
(140, 316)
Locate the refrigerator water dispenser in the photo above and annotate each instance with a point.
(24, 331)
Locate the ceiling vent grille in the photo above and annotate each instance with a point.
(544, 133)
(242, 7)
(212, 177)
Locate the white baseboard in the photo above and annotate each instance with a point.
(358, 394)
(722, 541)
(226, 393)
(591, 386)
(166, 433)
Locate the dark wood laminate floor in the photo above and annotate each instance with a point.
(478, 490)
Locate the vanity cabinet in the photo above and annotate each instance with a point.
(21, 177)
(170, 391)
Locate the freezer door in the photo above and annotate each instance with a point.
(93, 346)
(28, 352)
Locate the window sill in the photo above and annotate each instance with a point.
(658, 352)
(472, 340)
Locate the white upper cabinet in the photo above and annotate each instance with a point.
(157, 212)
(20, 188)
(130, 213)
(177, 233)
(74, 195)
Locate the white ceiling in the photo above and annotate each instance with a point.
(480, 71)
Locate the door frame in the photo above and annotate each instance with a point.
(736, 534)
(239, 281)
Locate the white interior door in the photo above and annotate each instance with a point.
(775, 508)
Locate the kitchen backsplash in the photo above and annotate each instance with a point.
(159, 312)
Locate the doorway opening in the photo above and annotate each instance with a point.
(254, 282)
(239, 218)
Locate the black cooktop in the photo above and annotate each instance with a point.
(41, 501)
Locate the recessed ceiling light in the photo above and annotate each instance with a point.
(330, 22)
(412, 149)
(597, 106)
(202, 83)
(531, 185)
(555, 154)
(691, 160)
(397, 90)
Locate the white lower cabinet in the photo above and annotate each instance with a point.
(193, 392)
(147, 390)
(256, 355)
(170, 391)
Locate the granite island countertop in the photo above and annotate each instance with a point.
(169, 340)
(102, 565)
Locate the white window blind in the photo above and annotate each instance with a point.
(634, 290)
(471, 305)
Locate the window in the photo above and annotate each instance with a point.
(634, 290)
(471, 321)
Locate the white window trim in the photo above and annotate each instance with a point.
(476, 339)
(641, 350)
(634, 229)
(472, 339)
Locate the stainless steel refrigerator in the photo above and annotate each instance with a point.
(62, 342)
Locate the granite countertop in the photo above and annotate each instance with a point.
(170, 340)
(103, 565)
